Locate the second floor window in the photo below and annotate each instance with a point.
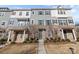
(54, 21)
(2, 14)
(33, 12)
(60, 22)
(20, 13)
(47, 12)
(40, 13)
(11, 22)
(40, 22)
(70, 21)
(27, 13)
(3, 23)
(48, 22)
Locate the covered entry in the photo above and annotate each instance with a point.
(17, 36)
(69, 34)
(41, 33)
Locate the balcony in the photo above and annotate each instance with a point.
(18, 27)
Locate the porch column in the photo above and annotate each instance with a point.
(62, 34)
(74, 34)
(9, 34)
(12, 36)
(24, 35)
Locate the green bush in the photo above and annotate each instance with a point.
(78, 39)
(26, 40)
(31, 40)
(3, 40)
(62, 40)
(68, 40)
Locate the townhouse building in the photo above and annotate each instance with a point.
(4, 18)
(41, 23)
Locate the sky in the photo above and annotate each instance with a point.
(75, 8)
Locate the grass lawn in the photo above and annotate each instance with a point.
(77, 48)
(59, 48)
(19, 49)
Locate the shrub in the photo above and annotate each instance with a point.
(68, 40)
(78, 39)
(35, 40)
(3, 40)
(51, 38)
(26, 40)
(63, 40)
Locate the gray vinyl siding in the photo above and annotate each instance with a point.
(37, 17)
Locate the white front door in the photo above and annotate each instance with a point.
(41, 34)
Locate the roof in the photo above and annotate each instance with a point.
(4, 9)
(50, 8)
(21, 9)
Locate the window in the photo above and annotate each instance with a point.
(32, 21)
(40, 13)
(47, 12)
(13, 13)
(11, 22)
(60, 22)
(70, 21)
(3, 23)
(21, 22)
(20, 13)
(54, 21)
(61, 12)
(2, 14)
(48, 22)
(65, 22)
(40, 22)
(32, 12)
(27, 13)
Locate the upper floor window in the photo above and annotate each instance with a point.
(3, 23)
(2, 14)
(41, 22)
(47, 12)
(62, 21)
(11, 22)
(48, 22)
(20, 13)
(13, 13)
(27, 13)
(54, 21)
(40, 13)
(70, 21)
(65, 22)
(32, 12)
(61, 12)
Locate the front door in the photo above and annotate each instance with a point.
(40, 34)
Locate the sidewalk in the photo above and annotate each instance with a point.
(41, 48)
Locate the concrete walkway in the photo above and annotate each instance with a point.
(41, 48)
